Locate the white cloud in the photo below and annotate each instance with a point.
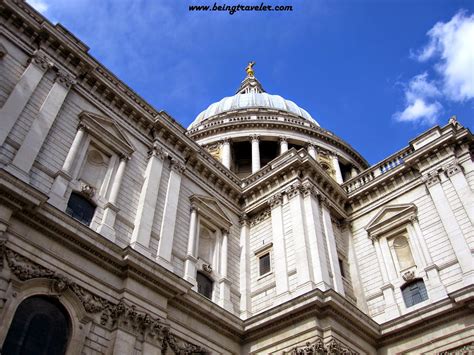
(420, 103)
(39, 5)
(452, 47)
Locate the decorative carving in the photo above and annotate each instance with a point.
(432, 178)
(25, 269)
(243, 219)
(87, 190)
(180, 348)
(177, 166)
(65, 79)
(275, 200)
(452, 168)
(260, 217)
(42, 60)
(409, 275)
(3, 249)
(157, 151)
(207, 268)
(294, 189)
(318, 348)
(283, 139)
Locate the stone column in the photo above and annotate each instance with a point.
(280, 266)
(314, 229)
(168, 223)
(454, 172)
(16, 102)
(147, 203)
(226, 154)
(191, 259)
(124, 342)
(60, 184)
(283, 145)
(386, 255)
(29, 149)
(224, 281)
(5, 215)
(448, 219)
(337, 168)
(332, 249)
(312, 151)
(255, 153)
(245, 299)
(302, 252)
(106, 227)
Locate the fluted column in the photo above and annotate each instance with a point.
(337, 168)
(141, 235)
(16, 102)
(60, 184)
(106, 227)
(168, 223)
(280, 266)
(332, 248)
(226, 154)
(311, 151)
(30, 147)
(224, 282)
(254, 139)
(191, 259)
(245, 299)
(283, 145)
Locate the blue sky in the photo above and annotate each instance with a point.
(376, 73)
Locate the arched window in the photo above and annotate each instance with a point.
(80, 208)
(414, 292)
(40, 326)
(204, 284)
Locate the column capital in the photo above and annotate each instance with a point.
(432, 178)
(294, 190)
(254, 137)
(452, 168)
(225, 140)
(157, 151)
(324, 201)
(283, 139)
(308, 189)
(65, 79)
(42, 60)
(275, 200)
(244, 219)
(177, 166)
(225, 231)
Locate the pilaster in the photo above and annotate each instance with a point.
(168, 223)
(455, 173)
(245, 299)
(22, 92)
(191, 260)
(141, 235)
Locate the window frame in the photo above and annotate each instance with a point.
(422, 292)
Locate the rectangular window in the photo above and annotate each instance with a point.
(264, 264)
(341, 267)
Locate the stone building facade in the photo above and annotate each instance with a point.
(254, 231)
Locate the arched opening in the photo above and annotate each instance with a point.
(41, 325)
(81, 208)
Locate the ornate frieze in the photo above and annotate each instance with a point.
(260, 217)
(319, 348)
(180, 347)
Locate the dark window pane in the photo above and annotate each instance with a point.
(264, 262)
(204, 285)
(40, 326)
(414, 292)
(80, 208)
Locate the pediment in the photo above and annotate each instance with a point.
(211, 209)
(108, 131)
(389, 218)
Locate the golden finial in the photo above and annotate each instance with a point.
(249, 69)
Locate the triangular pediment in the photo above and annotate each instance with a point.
(390, 217)
(211, 209)
(108, 131)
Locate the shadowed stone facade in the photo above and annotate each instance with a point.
(254, 231)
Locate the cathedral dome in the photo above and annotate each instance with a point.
(253, 99)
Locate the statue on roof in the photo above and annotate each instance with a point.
(249, 69)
